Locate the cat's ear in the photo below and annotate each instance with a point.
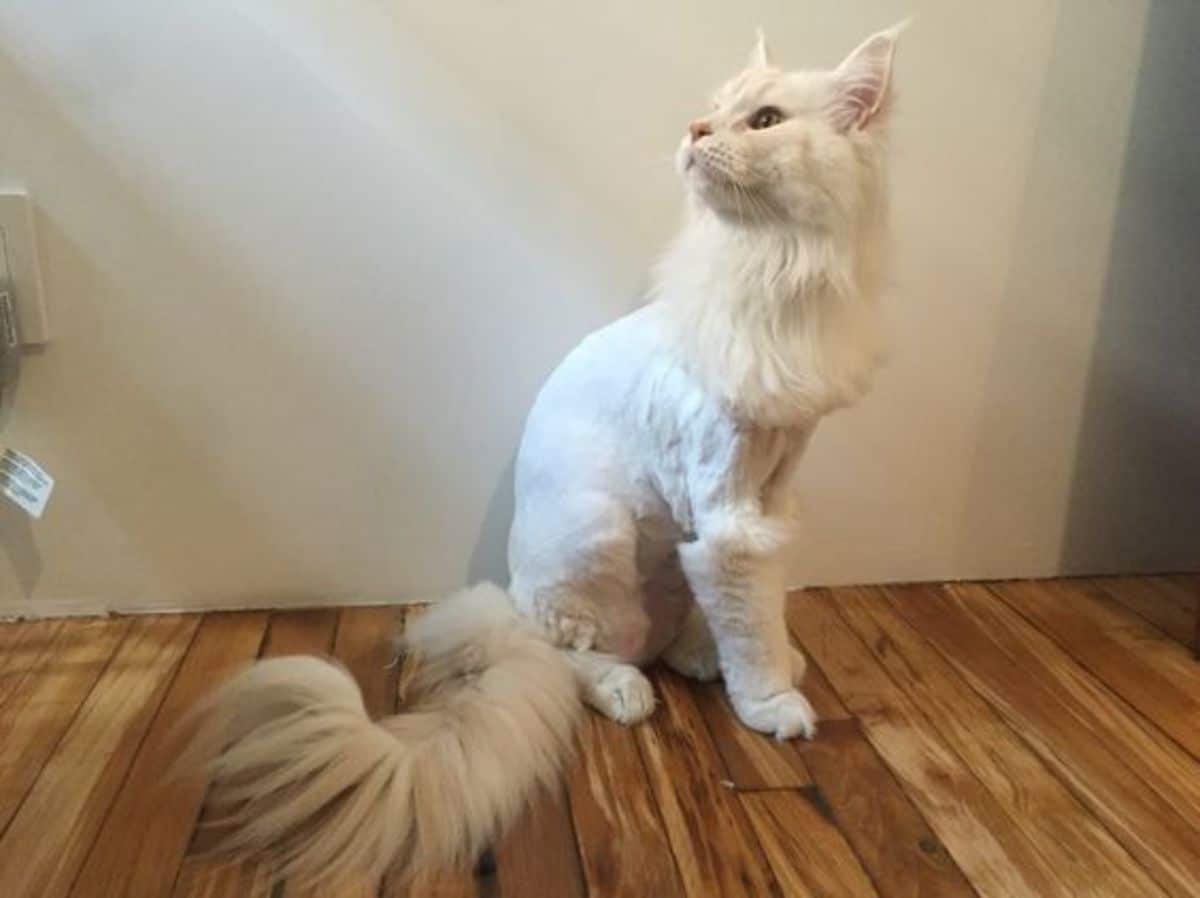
(760, 56)
(862, 83)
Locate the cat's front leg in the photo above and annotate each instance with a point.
(694, 652)
(735, 571)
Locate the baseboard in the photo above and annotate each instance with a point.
(49, 608)
(36, 609)
(40, 609)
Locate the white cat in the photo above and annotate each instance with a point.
(653, 493)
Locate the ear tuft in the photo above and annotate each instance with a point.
(760, 56)
(862, 83)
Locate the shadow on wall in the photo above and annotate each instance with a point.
(1135, 495)
(489, 559)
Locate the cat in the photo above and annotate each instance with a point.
(652, 502)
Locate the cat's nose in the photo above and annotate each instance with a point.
(699, 128)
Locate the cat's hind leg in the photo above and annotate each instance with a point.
(575, 575)
(616, 689)
(581, 588)
(694, 652)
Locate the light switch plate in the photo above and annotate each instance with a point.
(19, 267)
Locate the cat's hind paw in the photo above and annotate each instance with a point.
(623, 694)
(572, 630)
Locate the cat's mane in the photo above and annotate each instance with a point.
(780, 321)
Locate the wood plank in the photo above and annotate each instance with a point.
(892, 840)
(816, 686)
(1195, 588)
(364, 644)
(55, 680)
(432, 883)
(309, 631)
(996, 856)
(1156, 599)
(228, 880)
(808, 854)
(22, 644)
(1158, 760)
(48, 839)
(1080, 731)
(623, 845)
(1189, 585)
(822, 696)
(141, 846)
(804, 848)
(714, 846)
(1183, 589)
(1152, 672)
(304, 632)
(537, 856)
(751, 760)
(1082, 852)
(443, 884)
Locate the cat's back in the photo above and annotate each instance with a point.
(598, 375)
(579, 426)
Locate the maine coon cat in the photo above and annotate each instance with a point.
(653, 489)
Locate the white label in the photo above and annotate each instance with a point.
(24, 482)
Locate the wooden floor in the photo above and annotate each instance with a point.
(1033, 739)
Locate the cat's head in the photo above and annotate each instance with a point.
(795, 148)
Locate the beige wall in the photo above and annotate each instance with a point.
(307, 264)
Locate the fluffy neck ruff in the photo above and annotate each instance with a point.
(780, 323)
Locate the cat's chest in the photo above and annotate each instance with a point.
(711, 461)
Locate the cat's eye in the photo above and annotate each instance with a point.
(767, 117)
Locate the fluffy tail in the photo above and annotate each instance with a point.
(299, 771)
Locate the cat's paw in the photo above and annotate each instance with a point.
(694, 658)
(623, 694)
(576, 630)
(784, 715)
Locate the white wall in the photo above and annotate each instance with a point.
(307, 264)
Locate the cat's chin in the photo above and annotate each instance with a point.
(723, 201)
(704, 203)
(708, 184)
(708, 189)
